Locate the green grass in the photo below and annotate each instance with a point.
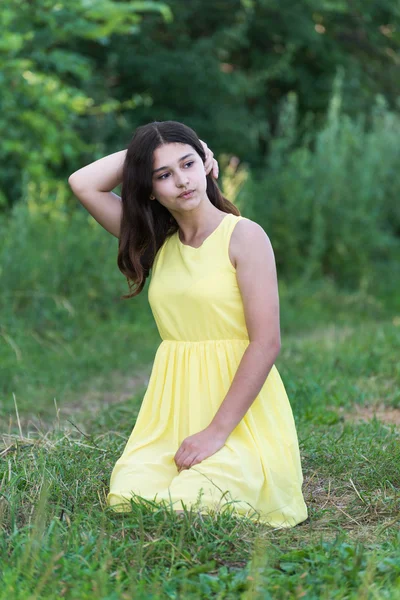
(59, 540)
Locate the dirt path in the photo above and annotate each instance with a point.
(362, 414)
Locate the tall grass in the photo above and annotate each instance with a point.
(331, 203)
(63, 321)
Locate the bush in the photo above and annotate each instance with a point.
(330, 205)
(58, 268)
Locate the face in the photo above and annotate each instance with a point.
(178, 168)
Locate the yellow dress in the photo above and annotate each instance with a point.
(196, 302)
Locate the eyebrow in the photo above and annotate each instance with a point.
(183, 158)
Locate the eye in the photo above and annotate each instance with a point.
(164, 175)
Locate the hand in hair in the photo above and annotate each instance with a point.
(211, 163)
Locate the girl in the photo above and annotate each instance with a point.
(215, 427)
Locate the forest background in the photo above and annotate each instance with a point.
(299, 101)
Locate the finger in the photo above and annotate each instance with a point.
(187, 462)
(195, 461)
(182, 450)
(180, 461)
(215, 169)
(207, 154)
(209, 163)
(205, 147)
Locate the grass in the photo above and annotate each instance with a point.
(59, 540)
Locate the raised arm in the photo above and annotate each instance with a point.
(93, 186)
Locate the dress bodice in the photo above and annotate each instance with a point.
(193, 292)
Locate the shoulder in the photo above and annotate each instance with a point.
(248, 238)
(246, 228)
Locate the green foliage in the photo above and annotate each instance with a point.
(330, 205)
(224, 67)
(69, 258)
(329, 570)
(60, 297)
(49, 83)
(77, 78)
(298, 46)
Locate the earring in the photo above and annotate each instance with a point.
(152, 198)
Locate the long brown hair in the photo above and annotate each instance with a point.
(145, 223)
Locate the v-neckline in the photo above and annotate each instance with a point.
(207, 238)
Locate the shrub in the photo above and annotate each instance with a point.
(330, 205)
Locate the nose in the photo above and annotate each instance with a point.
(181, 179)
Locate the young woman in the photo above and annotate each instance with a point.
(215, 427)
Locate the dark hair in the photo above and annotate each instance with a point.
(145, 223)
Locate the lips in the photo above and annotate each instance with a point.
(185, 193)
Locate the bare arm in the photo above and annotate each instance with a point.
(257, 280)
(93, 186)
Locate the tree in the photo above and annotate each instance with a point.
(48, 83)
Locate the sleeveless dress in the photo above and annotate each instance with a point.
(196, 302)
